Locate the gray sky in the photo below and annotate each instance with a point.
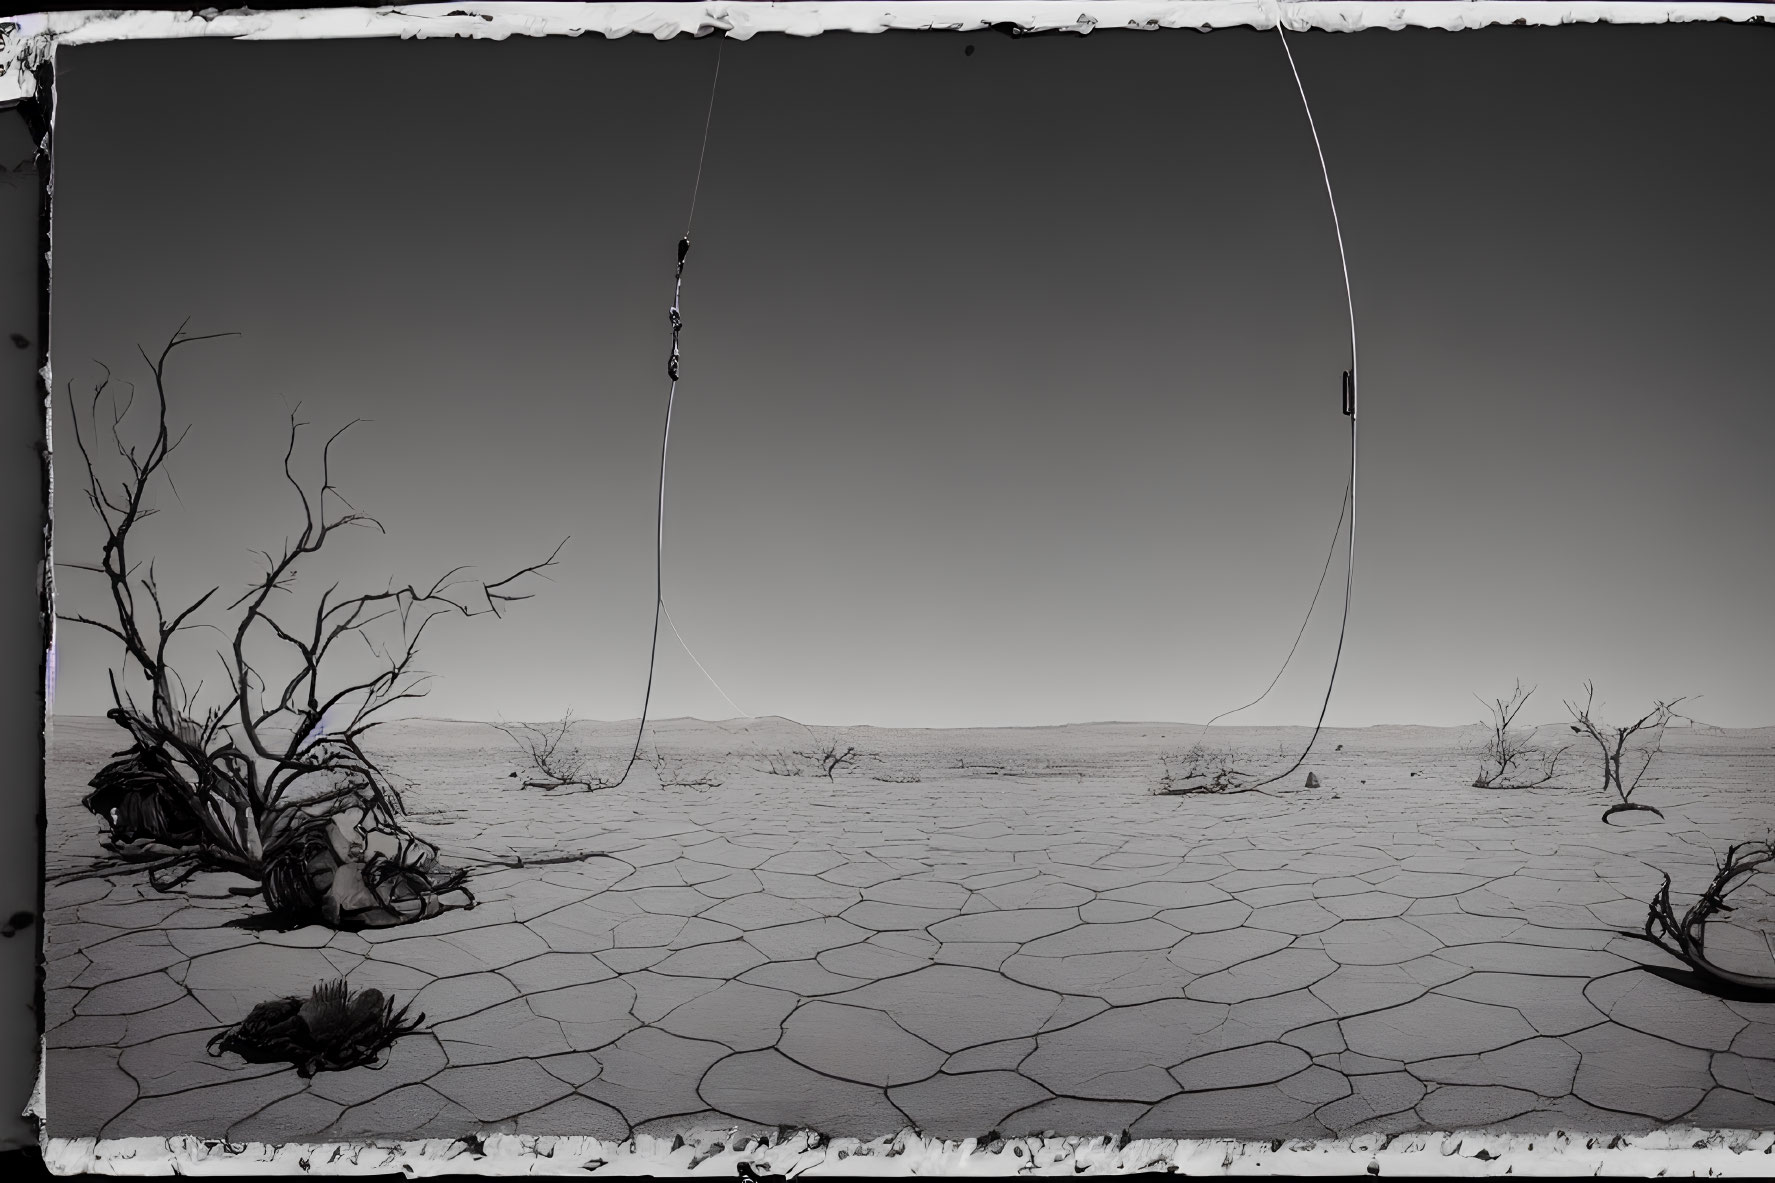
(1011, 379)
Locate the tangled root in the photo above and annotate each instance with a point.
(319, 874)
(138, 796)
(1685, 937)
(1630, 807)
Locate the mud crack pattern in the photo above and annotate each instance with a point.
(980, 950)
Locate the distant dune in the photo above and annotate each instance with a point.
(1060, 742)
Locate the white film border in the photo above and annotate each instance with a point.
(29, 41)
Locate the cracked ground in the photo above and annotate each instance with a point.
(968, 932)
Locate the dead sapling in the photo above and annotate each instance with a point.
(1511, 759)
(266, 777)
(547, 758)
(333, 1029)
(1633, 746)
(1686, 938)
(1201, 770)
(829, 759)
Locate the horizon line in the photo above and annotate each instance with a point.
(633, 720)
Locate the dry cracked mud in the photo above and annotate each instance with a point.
(1023, 939)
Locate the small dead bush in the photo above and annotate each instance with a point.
(823, 758)
(828, 758)
(1511, 759)
(546, 758)
(333, 1029)
(682, 773)
(1627, 749)
(1201, 769)
(784, 764)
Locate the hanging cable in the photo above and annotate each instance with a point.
(673, 625)
(1349, 408)
(694, 190)
(697, 185)
(659, 538)
(1337, 532)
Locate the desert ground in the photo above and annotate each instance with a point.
(966, 932)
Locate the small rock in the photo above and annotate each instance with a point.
(1312, 780)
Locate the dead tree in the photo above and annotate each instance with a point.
(1512, 759)
(557, 767)
(1618, 748)
(829, 759)
(268, 778)
(1686, 939)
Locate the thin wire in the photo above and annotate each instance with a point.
(696, 188)
(699, 665)
(1350, 303)
(665, 445)
(1337, 532)
(707, 120)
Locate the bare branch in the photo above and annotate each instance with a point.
(1202, 770)
(541, 745)
(1614, 744)
(1508, 754)
(1686, 938)
(179, 799)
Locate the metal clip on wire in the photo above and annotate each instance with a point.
(677, 320)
